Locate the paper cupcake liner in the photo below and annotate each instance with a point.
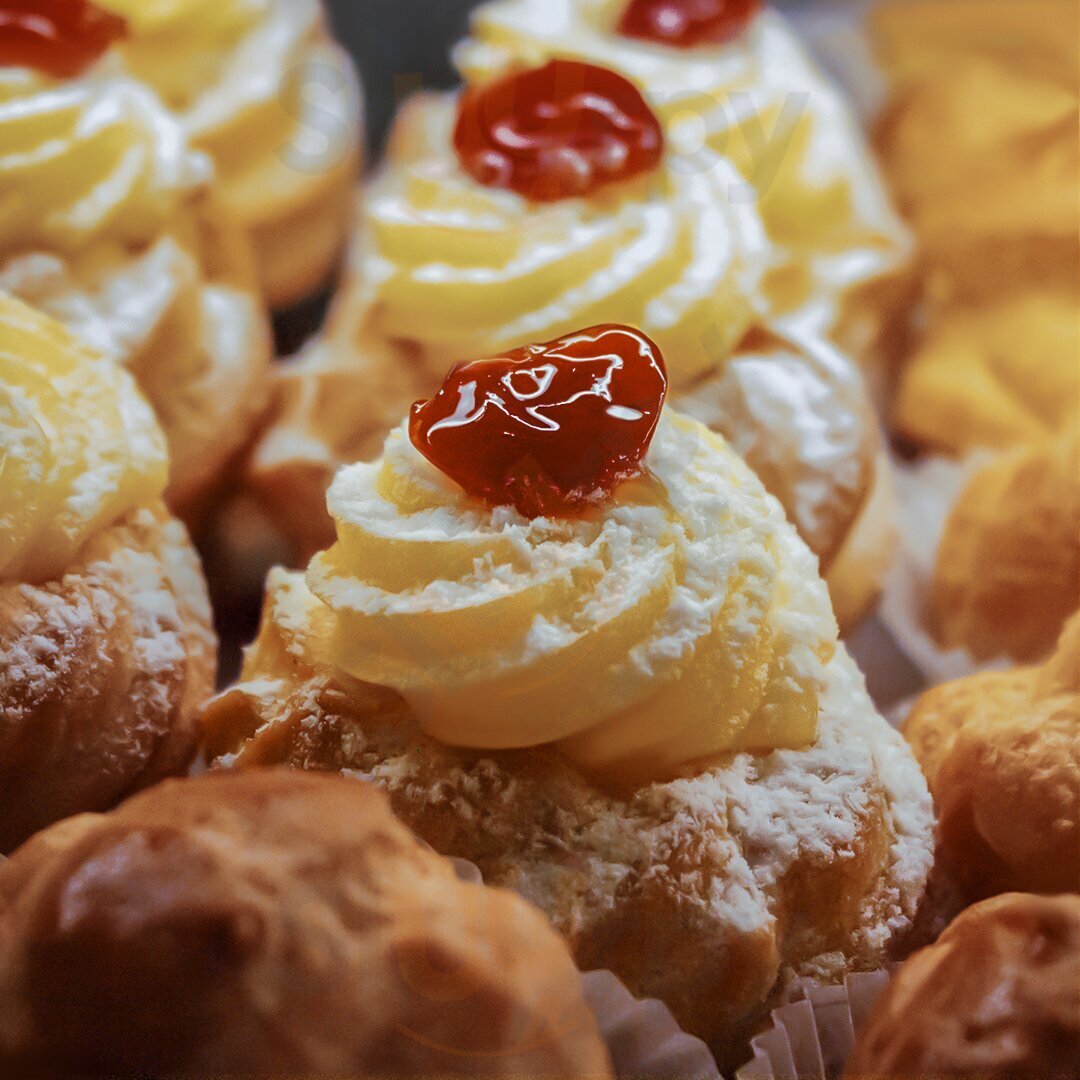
(926, 494)
(643, 1038)
(811, 1038)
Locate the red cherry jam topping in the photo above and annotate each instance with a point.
(557, 132)
(686, 24)
(62, 38)
(551, 429)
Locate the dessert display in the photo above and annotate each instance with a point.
(554, 192)
(670, 661)
(106, 224)
(262, 87)
(274, 924)
(997, 996)
(1001, 751)
(106, 651)
(571, 635)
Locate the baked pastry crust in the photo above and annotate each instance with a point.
(1001, 751)
(709, 891)
(1007, 574)
(103, 673)
(998, 995)
(274, 923)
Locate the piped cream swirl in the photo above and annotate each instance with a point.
(79, 446)
(760, 102)
(683, 619)
(96, 158)
(457, 269)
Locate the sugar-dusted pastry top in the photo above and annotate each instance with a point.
(680, 619)
(95, 158)
(259, 84)
(758, 100)
(79, 446)
(463, 269)
(1001, 751)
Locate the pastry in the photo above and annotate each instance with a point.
(1001, 751)
(997, 997)
(732, 79)
(599, 663)
(994, 203)
(274, 924)
(1007, 570)
(106, 650)
(106, 225)
(452, 264)
(263, 88)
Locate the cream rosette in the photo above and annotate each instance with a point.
(681, 620)
(760, 102)
(262, 87)
(104, 225)
(79, 447)
(452, 268)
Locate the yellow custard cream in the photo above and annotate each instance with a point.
(682, 619)
(79, 446)
(95, 158)
(258, 84)
(759, 101)
(461, 269)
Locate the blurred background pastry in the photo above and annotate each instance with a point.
(106, 224)
(632, 709)
(262, 87)
(1007, 568)
(734, 80)
(982, 147)
(106, 651)
(1001, 751)
(996, 997)
(274, 924)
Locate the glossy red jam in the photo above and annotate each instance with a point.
(62, 38)
(551, 429)
(557, 132)
(685, 24)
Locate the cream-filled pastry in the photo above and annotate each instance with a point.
(262, 87)
(731, 80)
(106, 650)
(105, 224)
(579, 644)
(453, 262)
(274, 924)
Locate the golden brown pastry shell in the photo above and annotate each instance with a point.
(274, 923)
(103, 673)
(996, 997)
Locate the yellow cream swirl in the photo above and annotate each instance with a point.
(260, 86)
(92, 158)
(79, 447)
(682, 620)
(760, 102)
(457, 269)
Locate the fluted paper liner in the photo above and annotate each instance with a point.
(926, 494)
(811, 1038)
(643, 1038)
